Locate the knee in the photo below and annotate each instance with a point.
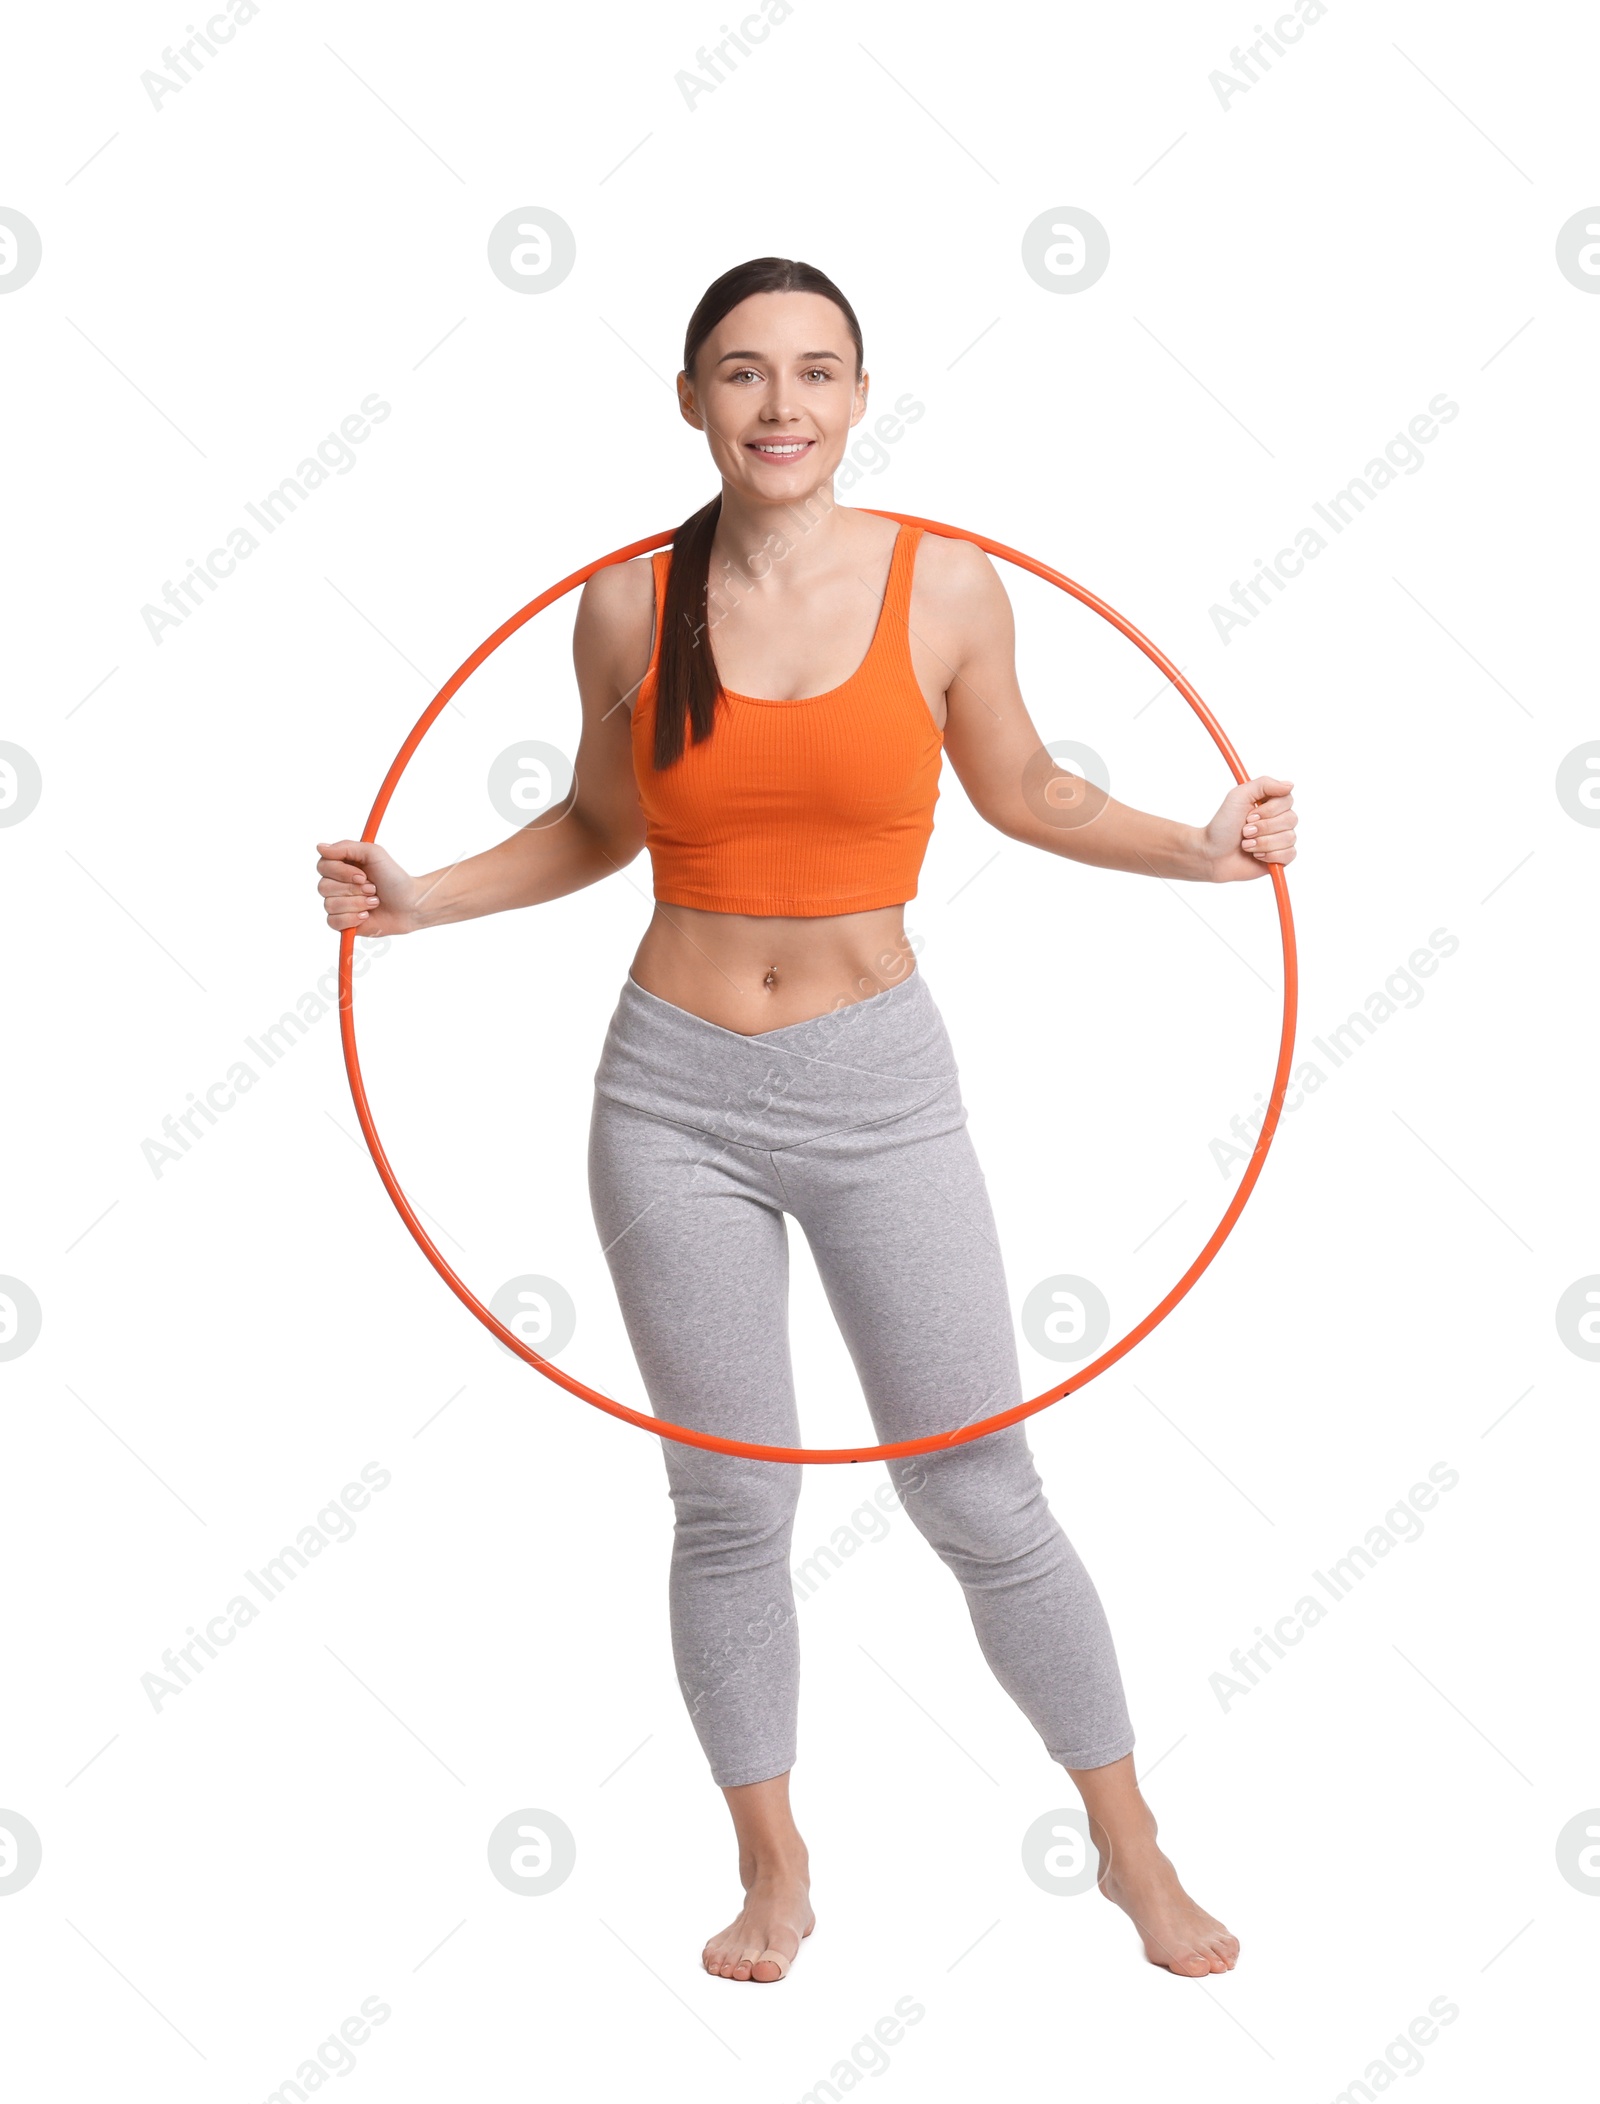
(986, 1515)
(735, 1517)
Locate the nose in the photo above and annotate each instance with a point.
(780, 406)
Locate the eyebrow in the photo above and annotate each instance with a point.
(806, 356)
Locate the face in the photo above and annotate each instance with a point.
(775, 392)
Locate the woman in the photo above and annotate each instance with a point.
(775, 1050)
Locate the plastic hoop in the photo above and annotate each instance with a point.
(684, 1434)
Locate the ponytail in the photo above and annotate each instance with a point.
(686, 677)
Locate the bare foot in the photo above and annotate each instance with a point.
(761, 1943)
(1176, 1932)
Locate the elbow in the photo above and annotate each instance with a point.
(613, 843)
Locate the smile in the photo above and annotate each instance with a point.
(782, 448)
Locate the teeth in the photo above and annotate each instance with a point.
(797, 448)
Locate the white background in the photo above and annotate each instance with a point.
(1292, 279)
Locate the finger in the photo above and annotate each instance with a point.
(351, 919)
(1277, 838)
(1260, 822)
(345, 873)
(356, 851)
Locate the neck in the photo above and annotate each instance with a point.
(751, 537)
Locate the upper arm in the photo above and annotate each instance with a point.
(610, 655)
(989, 737)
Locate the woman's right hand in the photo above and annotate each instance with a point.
(366, 889)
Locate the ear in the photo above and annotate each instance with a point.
(687, 406)
(859, 407)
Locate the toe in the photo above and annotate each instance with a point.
(771, 1965)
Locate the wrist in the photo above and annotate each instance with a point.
(1200, 865)
(429, 907)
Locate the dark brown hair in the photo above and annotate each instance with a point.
(687, 684)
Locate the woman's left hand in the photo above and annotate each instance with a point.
(1254, 826)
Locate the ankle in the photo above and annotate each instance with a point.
(784, 1863)
(1130, 1839)
(1139, 1857)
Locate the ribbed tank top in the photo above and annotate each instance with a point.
(810, 807)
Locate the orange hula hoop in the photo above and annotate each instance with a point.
(684, 1434)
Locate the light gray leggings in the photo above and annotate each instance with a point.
(701, 1140)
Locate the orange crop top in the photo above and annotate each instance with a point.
(822, 805)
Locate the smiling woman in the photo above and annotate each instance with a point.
(767, 707)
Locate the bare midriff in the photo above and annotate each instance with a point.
(750, 973)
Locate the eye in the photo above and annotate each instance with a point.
(826, 374)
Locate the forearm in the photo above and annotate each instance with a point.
(1119, 837)
(546, 860)
(1069, 816)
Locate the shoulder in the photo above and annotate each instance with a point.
(956, 587)
(619, 593)
(957, 567)
(616, 619)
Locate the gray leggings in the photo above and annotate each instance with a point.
(701, 1140)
